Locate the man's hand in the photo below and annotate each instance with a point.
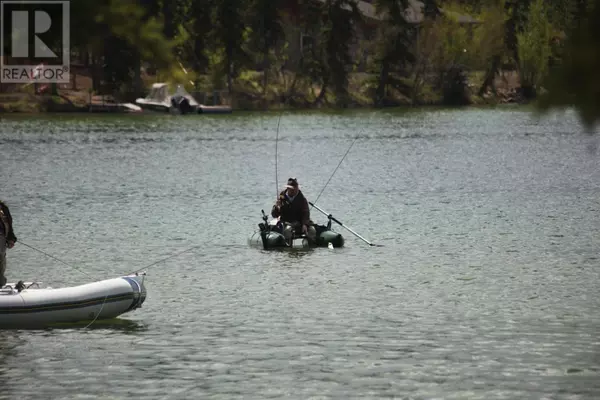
(10, 244)
(304, 229)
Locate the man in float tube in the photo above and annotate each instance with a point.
(292, 209)
(7, 239)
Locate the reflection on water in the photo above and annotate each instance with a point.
(11, 346)
(295, 253)
(486, 287)
(115, 324)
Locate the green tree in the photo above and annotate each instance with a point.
(444, 52)
(341, 17)
(560, 13)
(310, 17)
(533, 45)
(229, 30)
(197, 23)
(135, 36)
(395, 52)
(516, 11)
(430, 9)
(488, 43)
(267, 32)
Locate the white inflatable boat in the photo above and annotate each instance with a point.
(24, 304)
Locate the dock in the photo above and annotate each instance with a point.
(220, 109)
(114, 108)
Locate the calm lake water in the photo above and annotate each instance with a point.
(486, 286)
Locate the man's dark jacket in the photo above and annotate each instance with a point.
(10, 234)
(296, 211)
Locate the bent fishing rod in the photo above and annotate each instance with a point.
(334, 171)
(331, 216)
(276, 141)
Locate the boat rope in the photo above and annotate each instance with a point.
(102, 306)
(98, 313)
(55, 258)
(334, 171)
(276, 141)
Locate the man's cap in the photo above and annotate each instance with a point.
(292, 183)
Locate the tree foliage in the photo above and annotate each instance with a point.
(395, 52)
(341, 16)
(552, 43)
(533, 44)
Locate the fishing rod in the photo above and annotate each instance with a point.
(340, 223)
(331, 216)
(334, 171)
(276, 141)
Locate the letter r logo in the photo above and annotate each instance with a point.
(20, 40)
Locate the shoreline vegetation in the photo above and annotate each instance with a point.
(326, 54)
(246, 99)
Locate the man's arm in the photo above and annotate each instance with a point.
(276, 210)
(305, 212)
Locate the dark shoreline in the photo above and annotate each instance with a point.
(48, 106)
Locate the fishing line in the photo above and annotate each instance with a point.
(336, 168)
(145, 268)
(166, 258)
(55, 258)
(183, 252)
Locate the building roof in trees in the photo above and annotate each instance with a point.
(460, 18)
(414, 13)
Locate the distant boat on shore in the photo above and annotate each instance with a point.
(180, 102)
(160, 99)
